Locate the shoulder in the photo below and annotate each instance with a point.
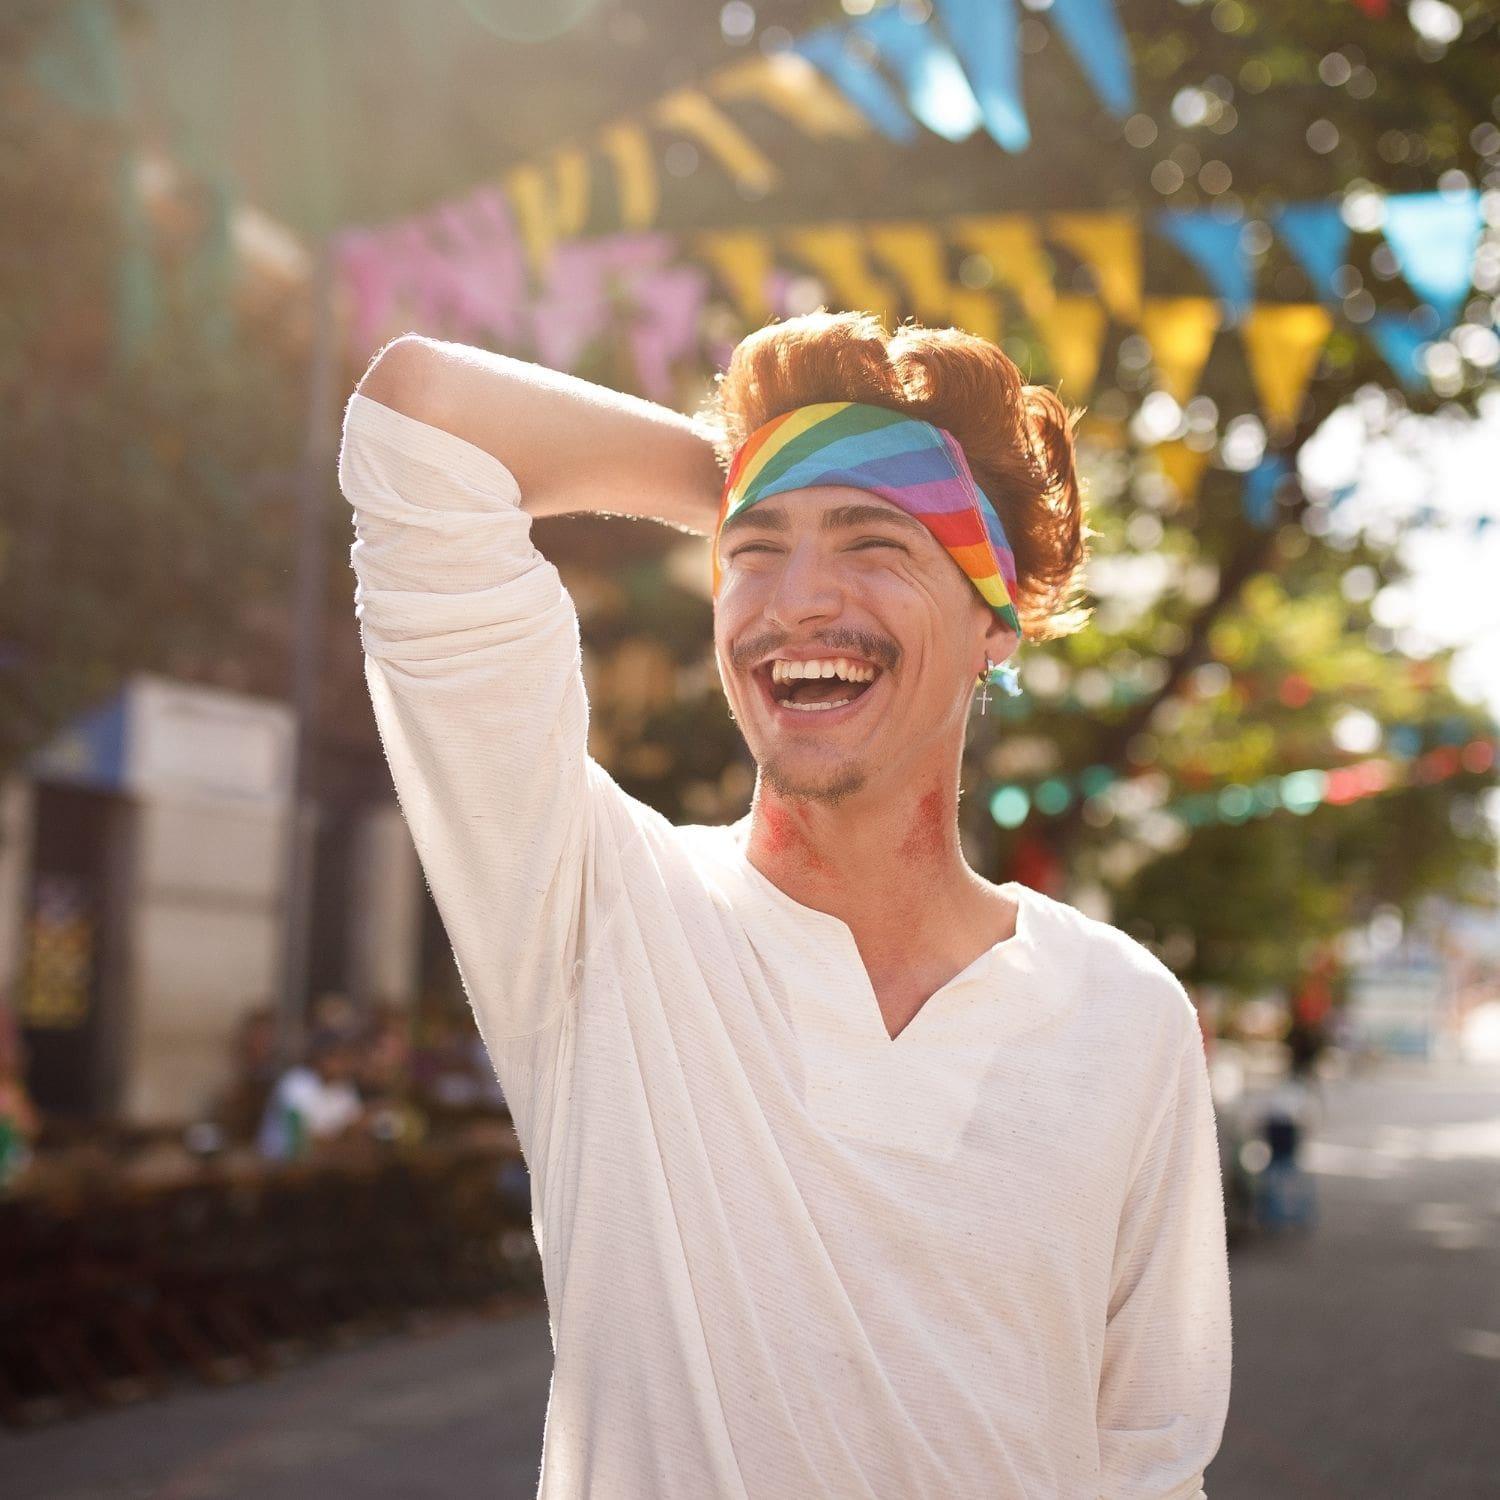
(1119, 975)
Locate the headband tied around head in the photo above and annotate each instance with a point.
(918, 467)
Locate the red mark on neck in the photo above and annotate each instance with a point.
(927, 833)
(784, 831)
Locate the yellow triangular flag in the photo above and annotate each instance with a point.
(744, 261)
(526, 187)
(1282, 345)
(693, 113)
(837, 254)
(635, 173)
(916, 253)
(919, 258)
(1010, 244)
(1103, 432)
(1110, 245)
(1073, 330)
(977, 313)
(570, 175)
(791, 86)
(1183, 467)
(1180, 331)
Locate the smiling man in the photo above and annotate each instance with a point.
(854, 1174)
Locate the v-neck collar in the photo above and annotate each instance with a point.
(836, 930)
(915, 1091)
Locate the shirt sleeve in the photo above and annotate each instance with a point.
(1164, 1388)
(473, 666)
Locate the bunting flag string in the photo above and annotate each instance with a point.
(501, 266)
(954, 71)
(1300, 792)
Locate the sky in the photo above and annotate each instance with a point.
(1450, 465)
(1447, 465)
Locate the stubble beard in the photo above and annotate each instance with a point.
(830, 791)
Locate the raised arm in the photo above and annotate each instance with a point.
(471, 643)
(571, 445)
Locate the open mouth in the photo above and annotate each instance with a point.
(819, 685)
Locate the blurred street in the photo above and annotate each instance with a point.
(1367, 1355)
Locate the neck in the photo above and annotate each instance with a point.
(883, 863)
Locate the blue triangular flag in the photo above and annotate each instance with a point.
(984, 34)
(1215, 246)
(1258, 495)
(1318, 238)
(861, 84)
(1434, 236)
(1092, 29)
(937, 92)
(1398, 343)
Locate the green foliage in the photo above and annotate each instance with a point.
(132, 536)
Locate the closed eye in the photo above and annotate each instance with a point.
(863, 544)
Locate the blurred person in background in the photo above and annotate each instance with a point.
(315, 1102)
(859, 1174)
(385, 1076)
(255, 1068)
(334, 1011)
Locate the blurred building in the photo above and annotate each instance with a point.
(143, 871)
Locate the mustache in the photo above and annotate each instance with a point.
(881, 650)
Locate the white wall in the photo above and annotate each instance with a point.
(204, 925)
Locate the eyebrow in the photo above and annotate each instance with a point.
(773, 518)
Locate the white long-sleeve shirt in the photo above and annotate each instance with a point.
(785, 1256)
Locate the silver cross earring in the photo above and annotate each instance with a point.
(984, 691)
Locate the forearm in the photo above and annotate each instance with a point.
(472, 664)
(572, 445)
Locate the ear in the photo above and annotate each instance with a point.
(1000, 641)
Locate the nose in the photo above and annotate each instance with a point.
(806, 589)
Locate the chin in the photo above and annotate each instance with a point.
(828, 785)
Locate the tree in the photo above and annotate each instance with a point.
(138, 527)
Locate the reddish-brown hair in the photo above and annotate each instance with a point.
(1018, 438)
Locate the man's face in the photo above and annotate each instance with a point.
(836, 576)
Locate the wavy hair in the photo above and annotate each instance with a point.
(1018, 438)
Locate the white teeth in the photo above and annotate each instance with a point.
(840, 667)
(812, 708)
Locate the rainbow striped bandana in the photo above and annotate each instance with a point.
(916, 466)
